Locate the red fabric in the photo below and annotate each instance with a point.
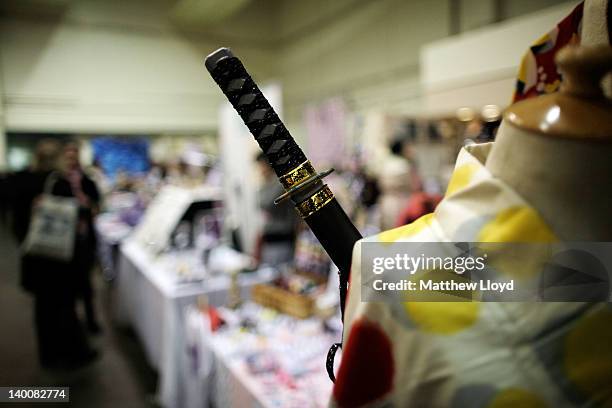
(214, 318)
(419, 204)
(367, 368)
(545, 68)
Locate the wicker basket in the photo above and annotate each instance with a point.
(293, 304)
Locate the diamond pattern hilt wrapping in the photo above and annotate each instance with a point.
(276, 142)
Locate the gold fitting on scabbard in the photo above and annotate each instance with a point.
(297, 175)
(315, 202)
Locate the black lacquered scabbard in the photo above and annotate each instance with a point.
(312, 198)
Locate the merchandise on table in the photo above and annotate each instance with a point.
(279, 359)
(291, 293)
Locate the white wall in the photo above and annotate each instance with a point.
(369, 53)
(72, 78)
(123, 66)
(104, 67)
(476, 13)
(363, 51)
(480, 67)
(366, 52)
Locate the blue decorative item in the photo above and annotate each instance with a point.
(121, 155)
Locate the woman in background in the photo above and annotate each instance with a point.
(75, 183)
(26, 185)
(396, 184)
(61, 340)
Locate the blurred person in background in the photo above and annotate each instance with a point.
(397, 181)
(27, 184)
(276, 244)
(60, 338)
(426, 189)
(99, 177)
(75, 183)
(423, 201)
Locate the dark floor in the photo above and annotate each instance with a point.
(119, 378)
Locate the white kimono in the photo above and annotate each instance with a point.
(473, 354)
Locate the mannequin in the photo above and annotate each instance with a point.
(549, 169)
(559, 157)
(595, 31)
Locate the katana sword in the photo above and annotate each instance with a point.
(313, 199)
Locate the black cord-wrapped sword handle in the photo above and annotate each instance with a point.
(332, 227)
(314, 200)
(247, 99)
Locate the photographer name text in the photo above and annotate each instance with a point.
(440, 286)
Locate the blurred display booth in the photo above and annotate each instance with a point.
(175, 256)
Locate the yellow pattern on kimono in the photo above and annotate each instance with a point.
(472, 354)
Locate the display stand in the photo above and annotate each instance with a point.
(165, 212)
(154, 285)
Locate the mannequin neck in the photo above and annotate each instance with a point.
(567, 181)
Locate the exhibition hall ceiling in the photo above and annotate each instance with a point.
(188, 12)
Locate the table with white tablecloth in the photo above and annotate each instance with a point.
(276, 361)
(151, 297)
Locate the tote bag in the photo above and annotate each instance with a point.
(52, 229)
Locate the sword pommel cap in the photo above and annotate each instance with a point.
(213, 58)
